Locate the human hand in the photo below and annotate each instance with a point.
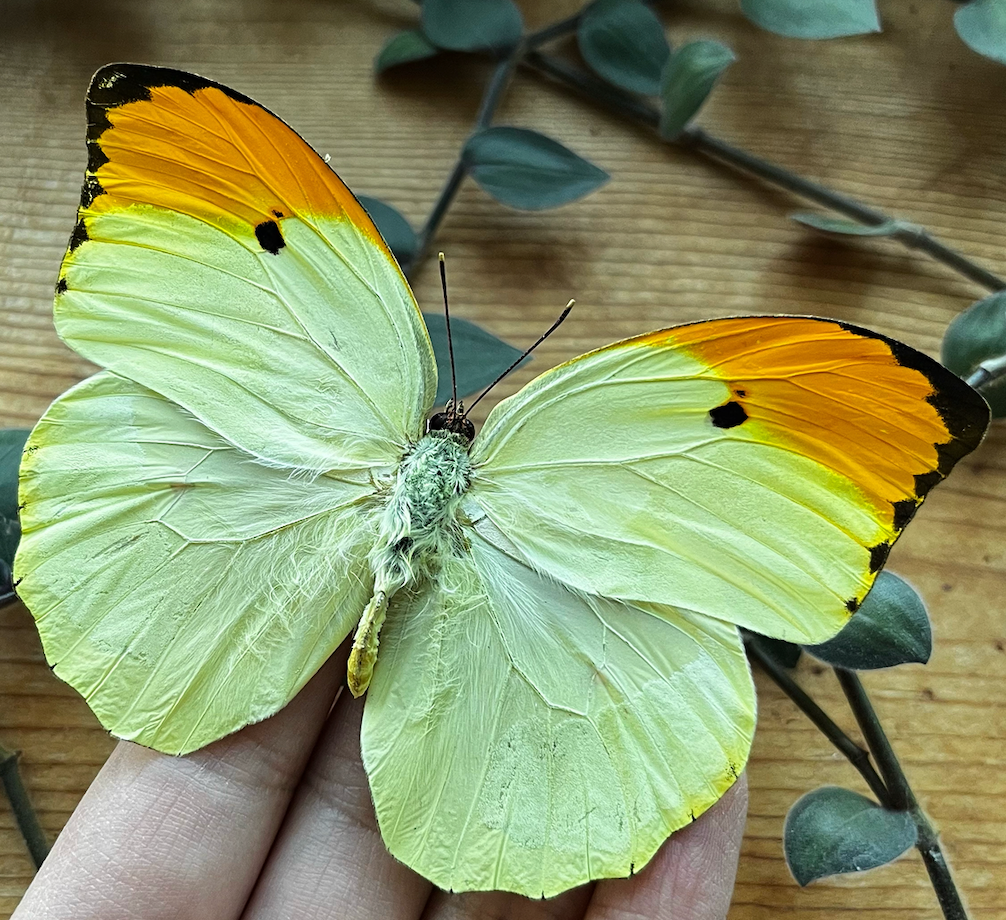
(276, 821)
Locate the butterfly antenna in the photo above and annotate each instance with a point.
(450, 340)
(550, 330)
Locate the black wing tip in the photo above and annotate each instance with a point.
(119, 84)
(961, 407)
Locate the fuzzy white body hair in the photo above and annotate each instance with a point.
(418, 527)
(419, 522)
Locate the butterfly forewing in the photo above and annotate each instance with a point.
(755, 470)
(219, 261)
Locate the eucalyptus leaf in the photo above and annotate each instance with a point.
(472, 25)
(981, 24)
(979, 334)
(404, 48)
(395, 229)
(832, 831)
(813, 18)
(689, 77)
(12, 442)
(891, 627)
(848, 227)
(479, 357)
(623, 41)
(527, 170)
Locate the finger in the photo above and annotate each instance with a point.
(692, 875)
(329, 859)
(496, 905)
(181, 837)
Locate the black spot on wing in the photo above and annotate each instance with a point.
(78, 236)
(61, 286)
(852, 604)
(878, 556)
(729, 415)
(269, 236)
(904, 511)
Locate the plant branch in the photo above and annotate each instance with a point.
(20, 804)
(695, 138)
(497, 85)
(858, 757)
(988, 372)
(901, 795)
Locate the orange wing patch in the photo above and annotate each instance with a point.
(891, 420)
(173, 140)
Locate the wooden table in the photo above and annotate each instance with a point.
(909, 121)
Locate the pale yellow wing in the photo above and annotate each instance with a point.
(219, 261)
(521, 736)
(182, 587)
(755, 470)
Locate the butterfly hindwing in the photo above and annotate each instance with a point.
(524, 737)
(182, 587)
(756, 470)
(219, 261)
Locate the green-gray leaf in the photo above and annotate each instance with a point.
(472, 25)
(404, 48)
(11, 445)
(848, 227)
(479, 356)
(526, 170)
(395, 229)
(689, 77)
(976, 335)
(624, 42)
(813, 18)
(891, 627)
(981, 24)
(831, 831)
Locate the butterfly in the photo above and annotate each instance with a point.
(545, 615)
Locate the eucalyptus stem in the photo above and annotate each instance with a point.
(695, 138)
(856, 755)
(902, 798)
(491, 98)
(20, 804)
(988, 372)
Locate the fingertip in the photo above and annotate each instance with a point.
(692, 875)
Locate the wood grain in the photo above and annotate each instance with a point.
(909, 121)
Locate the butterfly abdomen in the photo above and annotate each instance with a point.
(419, 526)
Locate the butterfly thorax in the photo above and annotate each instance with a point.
(419, 525)
(419, 522)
